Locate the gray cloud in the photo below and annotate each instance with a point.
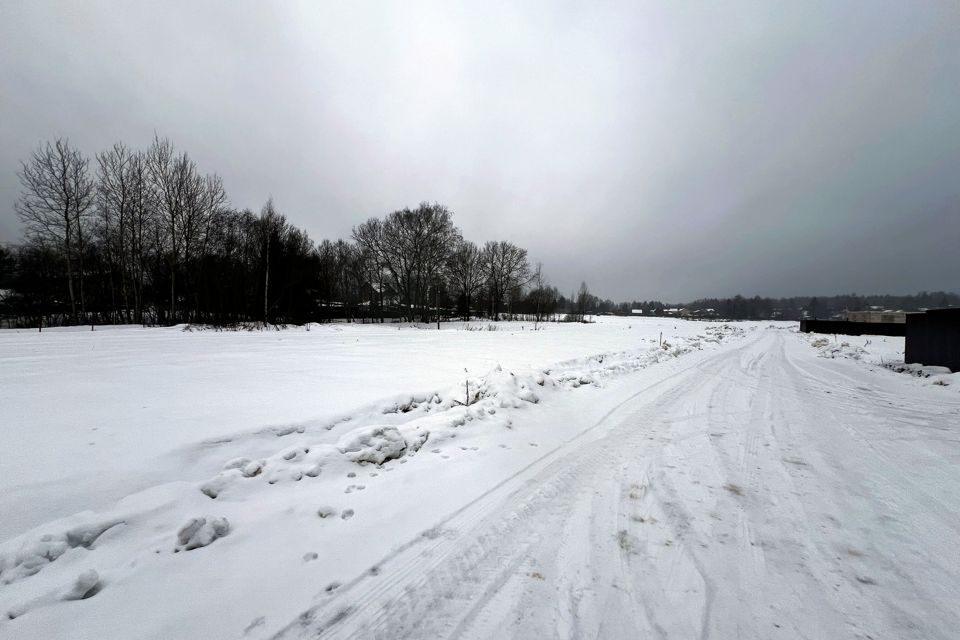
(656, 150)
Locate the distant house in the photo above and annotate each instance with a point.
(637, 312)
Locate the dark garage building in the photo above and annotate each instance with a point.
(933, 338)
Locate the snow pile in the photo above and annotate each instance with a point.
(886, 352)
(86, 585)
(505, 389)
(34, 554)
(201, 531)
(918, 370)
(373, 444)
(592, 370)
(939, 376)
(841, 350)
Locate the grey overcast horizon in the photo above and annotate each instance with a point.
(656, 150)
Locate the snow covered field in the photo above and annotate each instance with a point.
(735, 482)
(93, 413)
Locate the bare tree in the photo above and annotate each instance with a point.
(466, 272)
(143, 212)
(539, 283)
(115, 203)
(348, 274)
(272, 228)
(150, 222)
(507, 270)
(187, 201)
(56, 197)
(412, 247)
(170, 175)
(583, 301)
(368, 237)
(206, 197)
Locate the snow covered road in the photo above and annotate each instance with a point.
(758, 492)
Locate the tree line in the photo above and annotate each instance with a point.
(144, 236)
(824, 307)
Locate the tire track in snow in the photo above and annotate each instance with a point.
(369, 606)
(671, 545)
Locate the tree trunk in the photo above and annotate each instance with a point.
(83, 303)
(173, 303)
(68, 246)
(266, 281)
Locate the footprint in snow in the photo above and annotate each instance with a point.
(347, 514)
(333, 586)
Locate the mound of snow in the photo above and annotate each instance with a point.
(508, 389)
(249, 468)
(215, 486)
(842, 350)
(941, 374)
(87, 584)
(375, 444)
(201, 531)
(34, 554)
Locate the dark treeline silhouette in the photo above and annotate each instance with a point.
(796, 308)
(143, 236)
(757, 308)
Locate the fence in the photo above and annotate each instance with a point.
(847, 328)
(933, 338)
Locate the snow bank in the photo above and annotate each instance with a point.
(842, 350)
(938, 376)
(885, 352)
(34, 554)
(117, 399)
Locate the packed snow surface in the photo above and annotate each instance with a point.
(370, 481)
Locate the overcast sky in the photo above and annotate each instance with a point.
(663, 150)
